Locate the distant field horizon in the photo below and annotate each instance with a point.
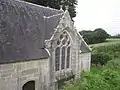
(109, 32)
(108, 42)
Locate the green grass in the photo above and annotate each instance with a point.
(108, 42)
(95, 70)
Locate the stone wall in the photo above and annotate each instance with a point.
(14, 75)
(85, 61)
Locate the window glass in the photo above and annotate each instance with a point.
(61, 36)
(68, 58)
(58, 42)
(63, 58)
(63, 42)
(57, 58)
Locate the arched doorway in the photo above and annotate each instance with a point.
(29, 86)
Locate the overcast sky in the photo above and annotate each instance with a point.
(92, 14)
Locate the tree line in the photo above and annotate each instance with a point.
(97, 36)
(115, 36)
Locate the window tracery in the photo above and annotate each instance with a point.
(62, 52)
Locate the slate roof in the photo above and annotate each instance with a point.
(84, 48)
(23, 29)
(52, 23)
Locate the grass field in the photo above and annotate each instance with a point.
(108, 42)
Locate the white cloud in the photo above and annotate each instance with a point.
(93, 14)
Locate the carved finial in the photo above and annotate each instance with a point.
(66, 7)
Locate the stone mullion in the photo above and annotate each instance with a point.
(70, 57)
(70, 62)
(66, 57)
(60, 58)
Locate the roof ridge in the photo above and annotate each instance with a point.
(38, 5)
(53, 15)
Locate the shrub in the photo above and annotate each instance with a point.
(114, 65)
(107, 80)
(113, 50)
(112, 78)
(89, 81)
(100, 58)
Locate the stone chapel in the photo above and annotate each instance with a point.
(39, 47)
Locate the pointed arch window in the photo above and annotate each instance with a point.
(62, 52)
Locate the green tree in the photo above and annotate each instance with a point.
(56, 4)
(97, 36)
(100, 58)
(101, 34)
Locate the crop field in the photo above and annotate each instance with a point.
(108, 42)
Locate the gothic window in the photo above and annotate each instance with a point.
(62, 52)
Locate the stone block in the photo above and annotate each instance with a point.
(30, 71)
(22, 78)
(6, 67)
(19, 66)
(7, 73)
